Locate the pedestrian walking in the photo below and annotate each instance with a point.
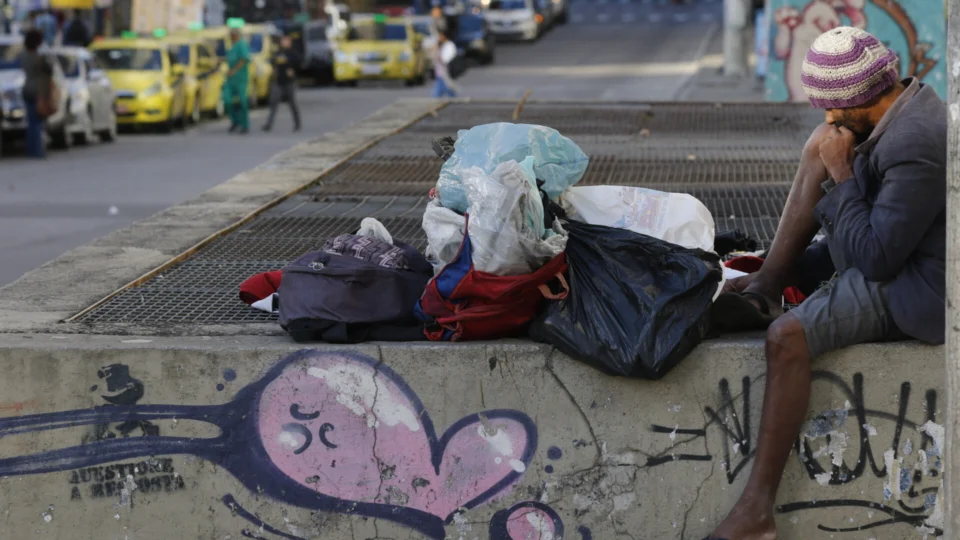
(238, 80)
(443, 54)
(46, 23)
(76, 34)
(37, 89)
(284, 85)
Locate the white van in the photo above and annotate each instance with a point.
(513, 19)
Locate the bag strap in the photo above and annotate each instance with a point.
(550, 295)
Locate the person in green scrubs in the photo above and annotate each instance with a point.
(238, 80)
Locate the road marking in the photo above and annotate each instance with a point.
(655, 17)
(680, 17)
(603, 17)
(578, 18)
(628, 17)
(706, 17)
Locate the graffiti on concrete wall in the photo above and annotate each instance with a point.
(915, 29)
(336, 432)
(837, 447)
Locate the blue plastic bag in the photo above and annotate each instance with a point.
(557, 160)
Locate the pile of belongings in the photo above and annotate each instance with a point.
(619, 277)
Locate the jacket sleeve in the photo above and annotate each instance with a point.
(880, 239)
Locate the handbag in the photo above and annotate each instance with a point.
(47, 105)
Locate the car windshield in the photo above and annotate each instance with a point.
(70, 66)
(183, 55)
(130, 59)
(318, 33)
(422, 28)
(378, 32)
(11, 56)
(508, 5)
(470, 23)
(256, 43)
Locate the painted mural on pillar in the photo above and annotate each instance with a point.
(335, 432)
(915, 29)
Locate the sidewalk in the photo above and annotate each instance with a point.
(709, 84)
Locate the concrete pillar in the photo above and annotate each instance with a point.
(736, 37)
(951, 482)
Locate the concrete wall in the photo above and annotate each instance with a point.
(916, 29)
(159, 438)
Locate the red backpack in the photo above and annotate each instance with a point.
(464, 304)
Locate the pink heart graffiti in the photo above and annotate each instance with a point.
(347, 428)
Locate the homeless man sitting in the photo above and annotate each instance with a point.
(873, 177)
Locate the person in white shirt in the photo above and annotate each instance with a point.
(444, 53)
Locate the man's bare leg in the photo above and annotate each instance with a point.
(787, 392)
(797, 226)
(785, 404)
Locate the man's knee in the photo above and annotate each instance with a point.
(786, 341)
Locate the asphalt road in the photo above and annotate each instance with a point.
(612, 50)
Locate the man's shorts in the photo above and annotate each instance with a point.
(846, 311)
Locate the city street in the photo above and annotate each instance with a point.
(641, 50)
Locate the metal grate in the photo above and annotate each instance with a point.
(739, 160)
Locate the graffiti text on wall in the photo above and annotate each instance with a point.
(838, 447)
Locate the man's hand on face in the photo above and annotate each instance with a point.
(837, 153)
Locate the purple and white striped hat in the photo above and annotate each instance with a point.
(847, 67)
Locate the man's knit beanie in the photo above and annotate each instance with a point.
(847, 67)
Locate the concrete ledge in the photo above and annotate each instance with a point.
(83, 276)
(597, 456)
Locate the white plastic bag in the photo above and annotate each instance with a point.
(673, 217)
(373, 228)
(507, 235)
(444, 229)
(506, 220)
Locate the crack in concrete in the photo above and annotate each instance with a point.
(596, 442)
(713, 470)
(513, 379)
(376, 424)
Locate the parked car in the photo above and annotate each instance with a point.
(150, 85)
(90, 96)
(204, 74)
(259, 36)
(380, 48)
(561, 11)
(219, 39)
(316, 51)
(515, 19)
(473, 36)
(13, 114)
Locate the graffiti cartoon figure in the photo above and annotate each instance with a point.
(335, 432)
(796, 32)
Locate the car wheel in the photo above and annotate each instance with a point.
(86, 135)
(110, 134)
(564, 17)
(487, 59)
(61, 138)
(195, 115)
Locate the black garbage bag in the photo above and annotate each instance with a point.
(637, 305)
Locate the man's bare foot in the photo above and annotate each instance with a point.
(747, 524)
(772, 297)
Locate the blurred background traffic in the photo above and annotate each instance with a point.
(160, 66)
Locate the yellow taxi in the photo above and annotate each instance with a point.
(219, 38)
(379, 48)
(259, 36)
(148, 83)
(204, 78)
